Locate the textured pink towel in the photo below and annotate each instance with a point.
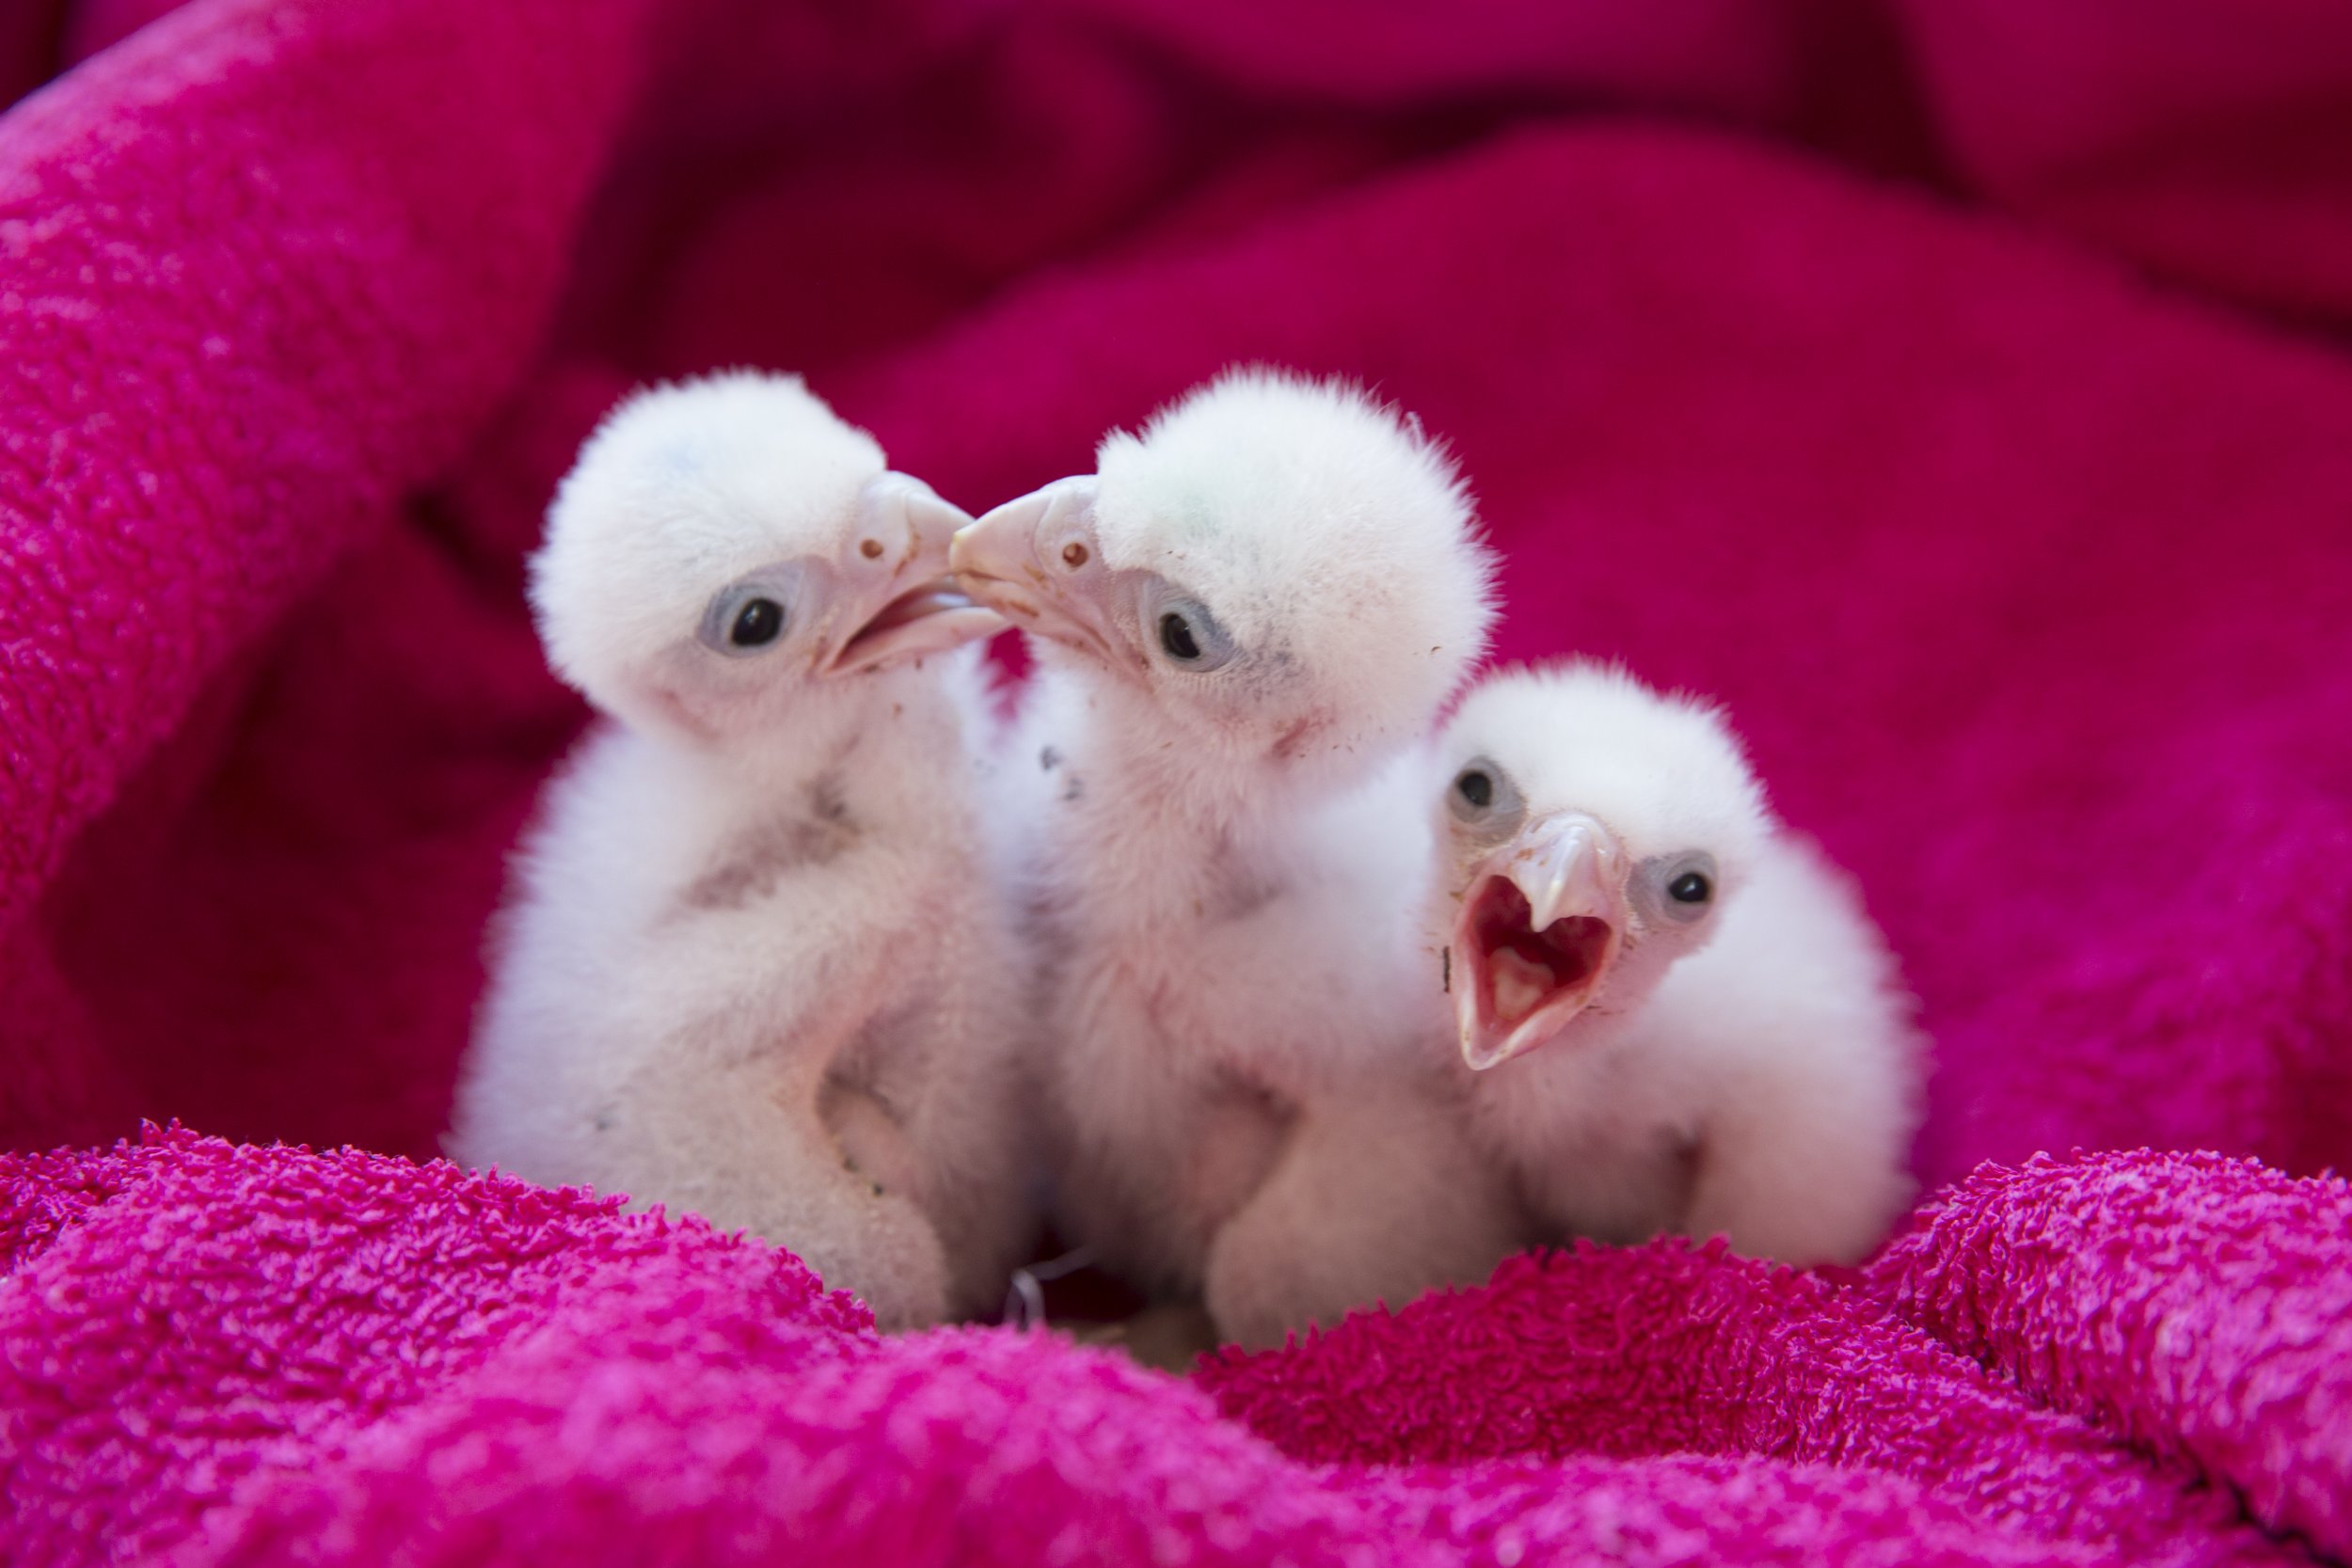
(2005, 490)
(267, 1356)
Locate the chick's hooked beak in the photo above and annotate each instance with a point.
(1038, 560)
(914, 607)
(1542, 922)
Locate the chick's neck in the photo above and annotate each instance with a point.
(882, 733)
(1180, 816)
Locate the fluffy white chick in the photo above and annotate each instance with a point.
(1678, 1016)
(1245, 612)
(757, 966)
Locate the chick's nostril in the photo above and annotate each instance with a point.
(1073, 555)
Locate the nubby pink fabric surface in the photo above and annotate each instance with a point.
(1960, 393)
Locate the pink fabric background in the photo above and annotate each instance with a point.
(1957, 390)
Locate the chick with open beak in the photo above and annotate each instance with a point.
(757, 964)
(1677, 1015)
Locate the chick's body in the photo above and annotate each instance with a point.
(1712, 1038)
(1246, 618)
(758, 966)
(1222, 982)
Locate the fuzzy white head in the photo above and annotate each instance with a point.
(1276, 570)
(1592, 830)
(727, 552)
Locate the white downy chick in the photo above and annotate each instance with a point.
(756, 967)
(1679, 1017)
(1243, 621)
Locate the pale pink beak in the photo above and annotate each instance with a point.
(920, 609)
(1542, 922)
(1038, 559)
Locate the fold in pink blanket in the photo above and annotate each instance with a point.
(1965, 404)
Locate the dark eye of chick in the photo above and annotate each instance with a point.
(1476, 787)
(1176, 636)
(760, 623)
(1692, 887)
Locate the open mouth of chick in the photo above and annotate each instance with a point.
(930, 617)
(1519, 973)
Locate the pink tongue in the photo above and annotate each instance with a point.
(1517, 985)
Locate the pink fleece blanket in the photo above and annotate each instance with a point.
(1958, 392)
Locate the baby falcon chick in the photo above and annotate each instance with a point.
(755, 967)
(1678, 1015)
(1244, 614)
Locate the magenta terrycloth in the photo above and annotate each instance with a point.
(239, 1355)
(1958, 390)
